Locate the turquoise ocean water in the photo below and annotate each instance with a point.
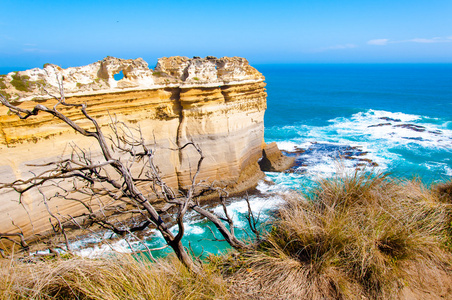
(394, 118)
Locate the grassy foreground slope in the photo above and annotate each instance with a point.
(358, 237)
(364, 236)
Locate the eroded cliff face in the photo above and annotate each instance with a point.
(218, 104)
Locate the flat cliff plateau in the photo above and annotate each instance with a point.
(217, 103)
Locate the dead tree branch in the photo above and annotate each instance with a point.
(110, 187)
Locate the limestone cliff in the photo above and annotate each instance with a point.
(216, 103)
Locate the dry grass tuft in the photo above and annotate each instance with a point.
(444, 191)
(121, 277)
(363, 236)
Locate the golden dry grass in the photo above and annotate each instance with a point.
(362, 236)
(119, 277)
(444, 191)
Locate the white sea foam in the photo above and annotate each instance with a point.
(285, 181)
(120, 246)
(190, 228)
(398, 129)
(92, 239)
(448, 170)
(382, 134)
(377, 115)
(281, 182)
(439, 168)
(287, 145)
(259, 206)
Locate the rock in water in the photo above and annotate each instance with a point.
(273, 160)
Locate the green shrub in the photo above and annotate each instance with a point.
(2, 82)
(5, 94)
(21, 83)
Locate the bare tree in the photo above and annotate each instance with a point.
(125, 174)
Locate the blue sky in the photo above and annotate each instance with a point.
(72, 33)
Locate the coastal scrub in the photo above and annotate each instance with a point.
(359, 236)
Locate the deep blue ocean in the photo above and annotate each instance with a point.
(335, 118)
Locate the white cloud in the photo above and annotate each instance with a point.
(383, 42)
(378, 42)
(346, 46)
(37, 50)
(429, 41)
(32, 50)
